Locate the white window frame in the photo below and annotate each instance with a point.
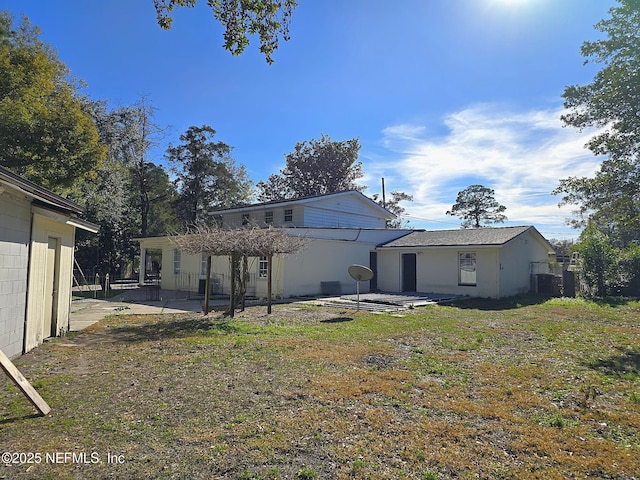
(467, 269)
(288, 214)
(177, 260)
(263, 267)
(268, 217)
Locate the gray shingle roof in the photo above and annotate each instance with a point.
(460, 237)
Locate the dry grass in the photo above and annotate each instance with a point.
(477, 390)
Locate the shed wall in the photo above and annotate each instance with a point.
(437, 271)
(515, 263)
(15, 232)
(43, 229)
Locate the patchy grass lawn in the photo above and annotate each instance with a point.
(547, 389)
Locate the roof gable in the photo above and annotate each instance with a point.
(460, 237)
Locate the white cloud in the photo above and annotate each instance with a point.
(521, 155)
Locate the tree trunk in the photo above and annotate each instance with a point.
(245, 274)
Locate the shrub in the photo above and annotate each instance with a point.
(629, 270)
(597, 262)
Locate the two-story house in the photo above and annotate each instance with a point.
(340, 229)
(346, 228)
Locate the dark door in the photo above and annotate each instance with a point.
(373, 265)
(408, 272)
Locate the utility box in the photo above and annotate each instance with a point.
(544, 283)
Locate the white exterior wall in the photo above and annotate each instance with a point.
(342, 211)
(257, 216)
(15, 233)
(327, 254)
(515, 263)
(501, 271)
(324, 261)
(44, 228)
(389, 271)
(437, 271)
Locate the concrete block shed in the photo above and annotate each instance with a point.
(37, 235)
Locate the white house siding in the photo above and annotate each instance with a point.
(257, 216)
(327, 254)
(437, 271)
(43, 229)
(342, 211)
(324, 261)
(516, 258)
(15, 227)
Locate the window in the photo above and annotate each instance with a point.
(203, 264)
(288, 214)
(218, 220)
(245, 219)
(263, 267)
(268, 217)
(176, 261)
(467, 268)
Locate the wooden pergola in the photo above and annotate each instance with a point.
(249, 241)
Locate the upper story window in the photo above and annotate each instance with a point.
(218, 220)
(288, 214)
(245, 219)
(268, 217)
(467, 268)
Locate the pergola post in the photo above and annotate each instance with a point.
(207, 286)
(269, 273)
(232, 293)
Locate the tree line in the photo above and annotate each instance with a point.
(608, 204)
(99, 157)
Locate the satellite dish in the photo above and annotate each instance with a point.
(360, 273)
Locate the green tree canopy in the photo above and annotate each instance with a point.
(46, 134)
(393, 205)
(315, 167)
(207, 176)
(130, 196)
(611, 200)
(611, 99)
(268, 19)
(477, 207)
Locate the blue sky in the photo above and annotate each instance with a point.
(442, 93)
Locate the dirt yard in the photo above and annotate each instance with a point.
(517, 389)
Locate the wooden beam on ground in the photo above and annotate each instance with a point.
(22, 383)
